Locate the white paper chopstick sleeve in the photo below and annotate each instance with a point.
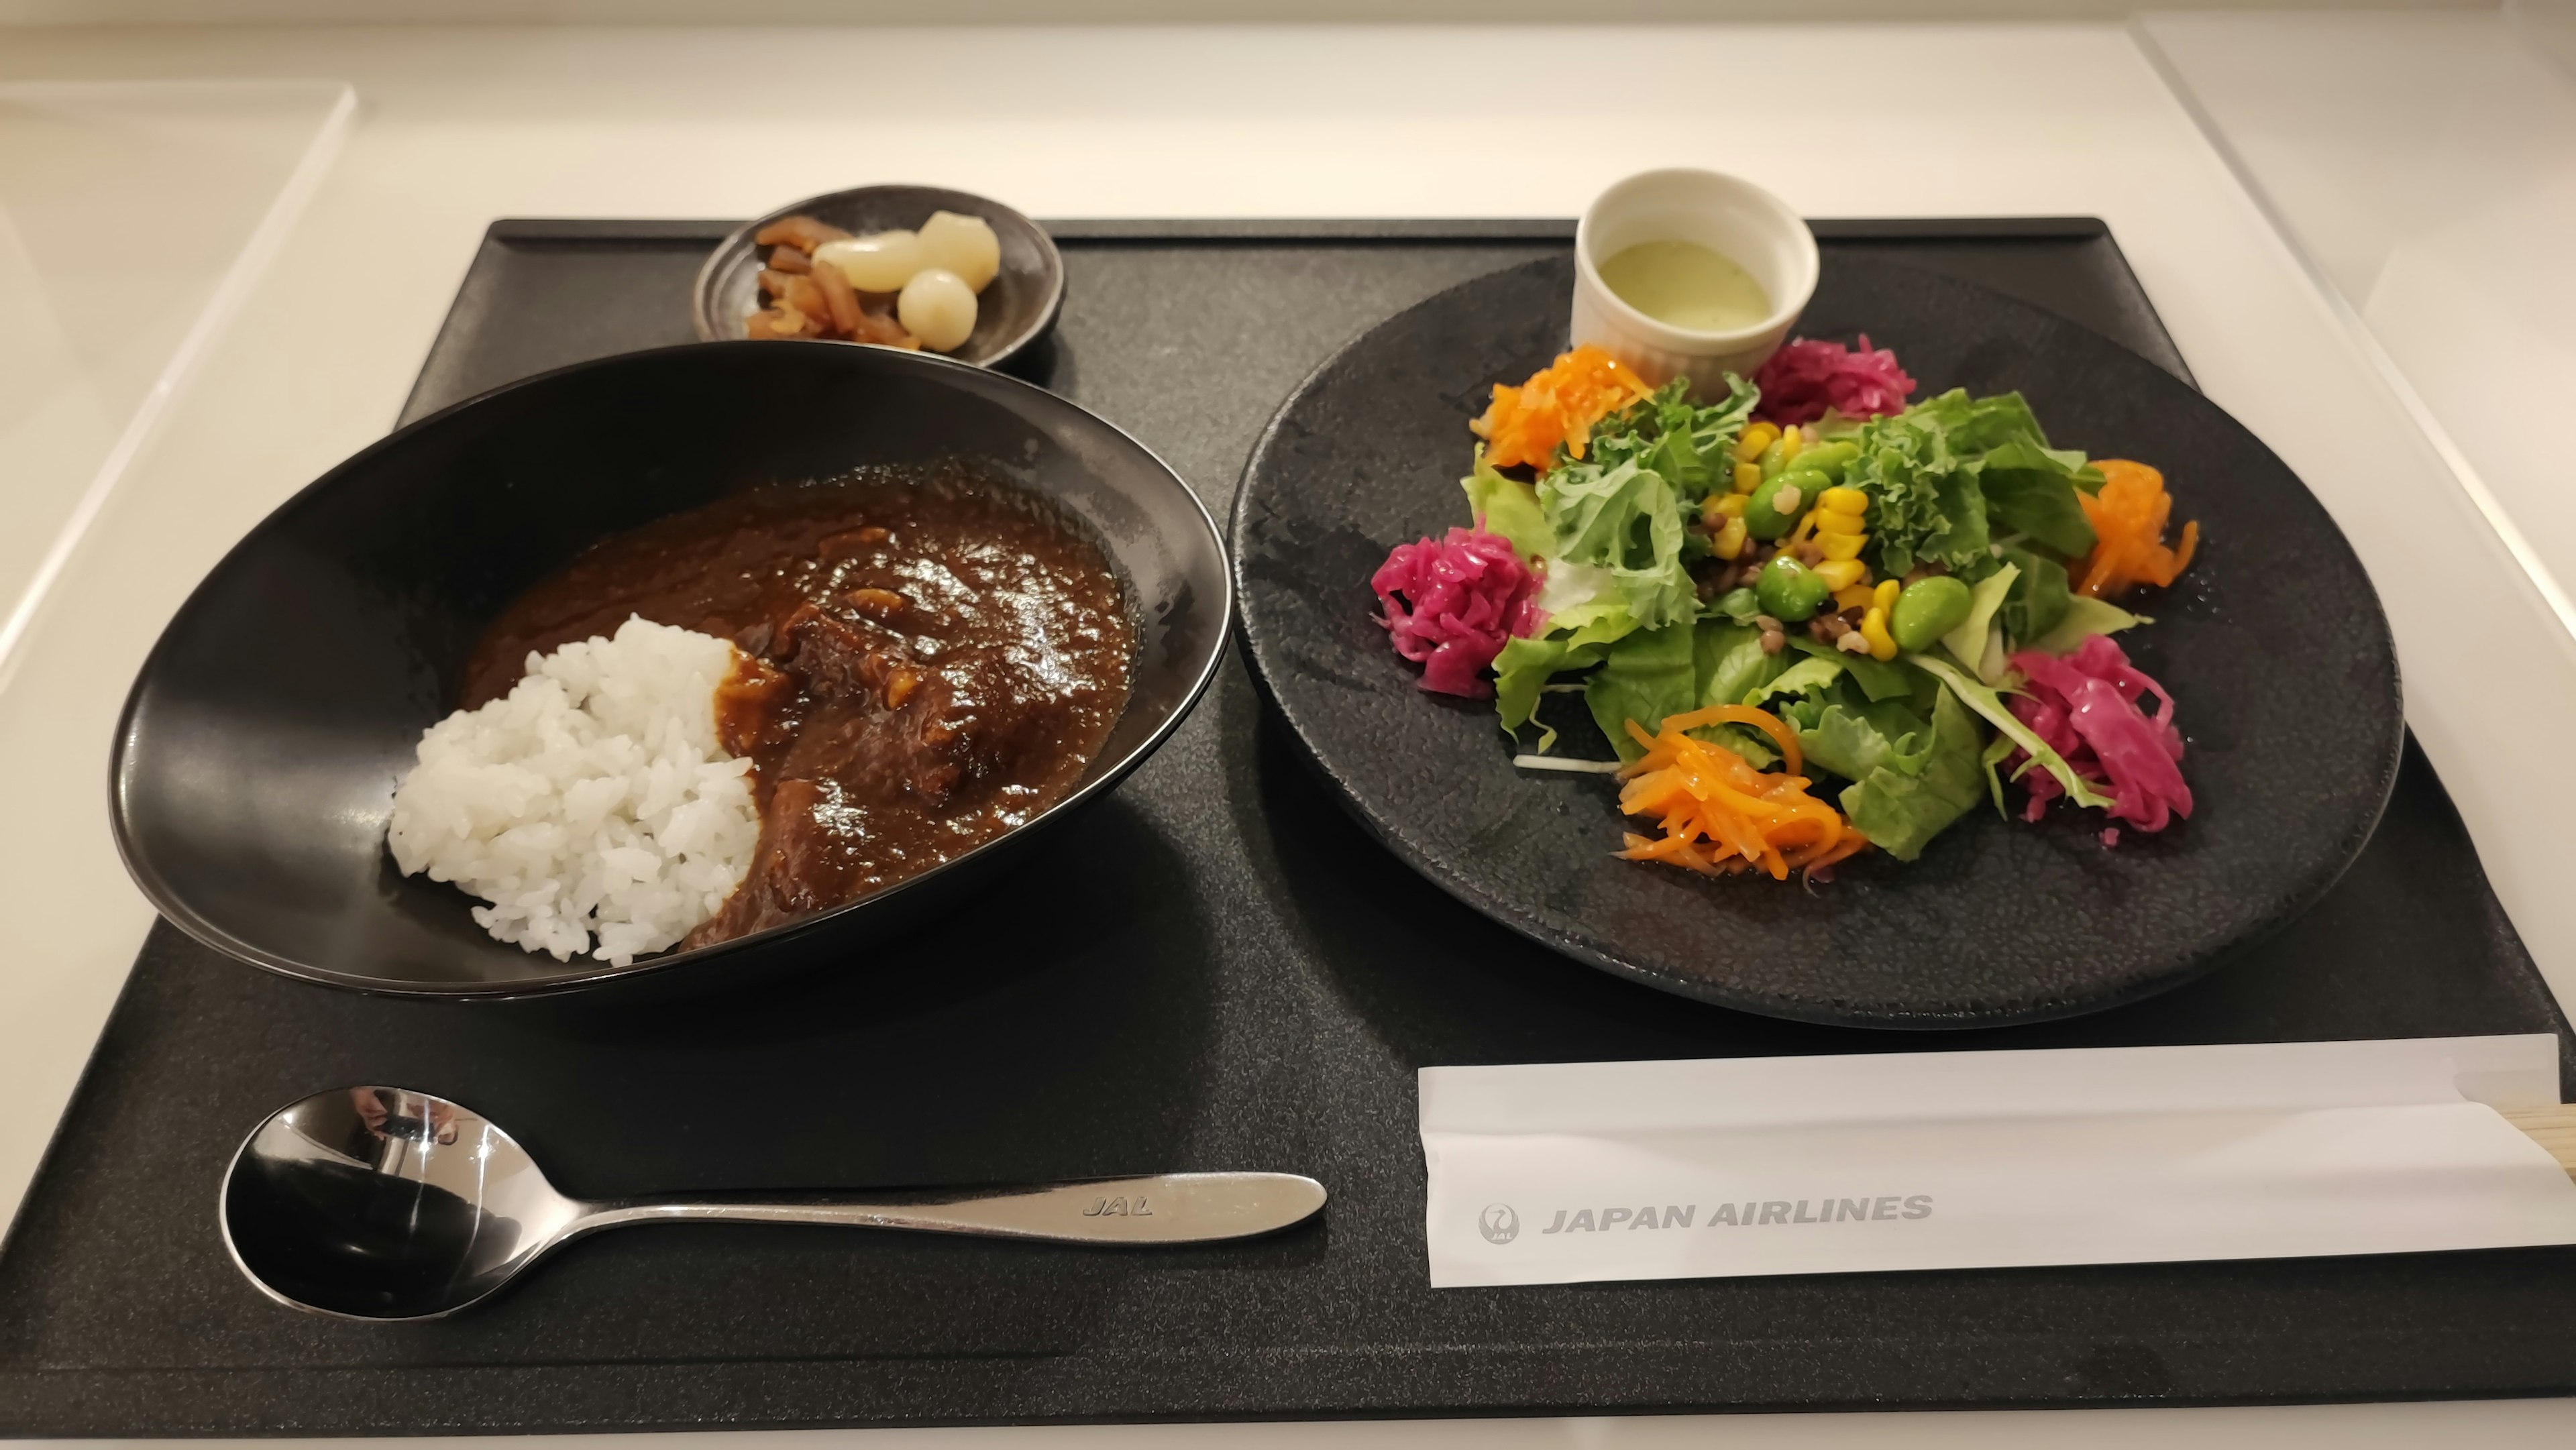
(1568, 1172)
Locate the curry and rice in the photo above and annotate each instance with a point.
(767, 707)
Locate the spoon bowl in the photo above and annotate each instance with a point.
(382, 1203)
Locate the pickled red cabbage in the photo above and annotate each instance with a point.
(1450, 604)
(1807, 377)
(2088, 706)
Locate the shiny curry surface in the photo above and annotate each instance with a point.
(930, 657)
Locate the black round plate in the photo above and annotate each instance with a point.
(2273, 643)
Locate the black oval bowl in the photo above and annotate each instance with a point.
(255, 762)
(2279, 658)
(1017, 308)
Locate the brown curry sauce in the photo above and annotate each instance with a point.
(929, 658)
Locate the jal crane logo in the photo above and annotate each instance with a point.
(1498, 1223)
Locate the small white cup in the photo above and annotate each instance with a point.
(1747, 224)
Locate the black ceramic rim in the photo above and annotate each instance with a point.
(173, 907)
(1391, 826)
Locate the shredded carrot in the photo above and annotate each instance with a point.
(2128, 518)
(1718, 814)
(1762, 720)
(1559, 404)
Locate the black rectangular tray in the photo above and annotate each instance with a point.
(1212, 969)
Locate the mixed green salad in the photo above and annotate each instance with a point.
(1801, 579)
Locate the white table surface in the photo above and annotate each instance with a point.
(102, 321)
(2426, 165)
(457, 127)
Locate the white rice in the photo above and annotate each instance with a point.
(593, 800)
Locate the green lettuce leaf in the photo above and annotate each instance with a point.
(1979, 424)
(1566, 587)
(1985, 598)
(2038, 599)
(1652, 675)
(1645, 677)
(1730, 662)
(1626, 519)
(1946, 475)
(1993, 756)
(1847, 743)
(1913, 763)
(1737, 605)
(1908, 798)
(2029, 490)
(1508, 507)
(1922, 504)
(2085, 617)
(1690, 445)
(1852, 736)
(1978, 697)
(1575, 639)
(1610, 529)
(1811, 673)
(1878, 679)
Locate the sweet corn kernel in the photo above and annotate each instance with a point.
(1748, 477)
(1846, 500)
(1885, 598)
(1729, 541)
(1830, 522)
(1873, 627)
(1730, 504)
(1792, 443)
(1756, 438)
(1842, 573)
(1840, 546)
(1856, 597)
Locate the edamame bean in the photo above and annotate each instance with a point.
(1772, 509)
(1790, 591)
(1828, 459)
(1927, 610)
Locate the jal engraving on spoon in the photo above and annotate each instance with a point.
(383, 1203)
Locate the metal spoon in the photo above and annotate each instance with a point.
(383, 1203)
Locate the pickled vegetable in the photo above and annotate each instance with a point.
(938, 307)
(878, 262)
(961, 244)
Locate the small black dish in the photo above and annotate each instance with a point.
(2274, 644)
(255, 762)
(1019, 307)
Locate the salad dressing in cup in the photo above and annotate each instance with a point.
(1690, 273)
(1686, 285)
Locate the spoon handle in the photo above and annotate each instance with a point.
(1164, 1208)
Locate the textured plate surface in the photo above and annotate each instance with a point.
(2273, 643)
